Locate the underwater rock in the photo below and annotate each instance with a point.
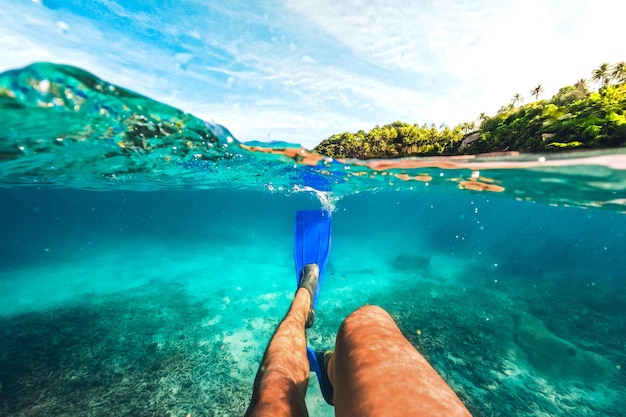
(557, 358)
(409, 262)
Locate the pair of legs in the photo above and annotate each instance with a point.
(374, 370)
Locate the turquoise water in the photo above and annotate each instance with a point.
(146, 257)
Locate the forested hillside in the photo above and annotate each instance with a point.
(577, 117)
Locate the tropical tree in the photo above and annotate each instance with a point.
(581, 85)
(517, 99)
(619, 72)
(602, 74)
(482, 118)
(572, 118)
(467, 127)
(506, 108)
(536, 91)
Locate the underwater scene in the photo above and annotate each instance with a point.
(146, 257)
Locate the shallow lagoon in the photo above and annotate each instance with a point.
(143, 303)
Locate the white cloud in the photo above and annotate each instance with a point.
(388, 34)
(476, 54)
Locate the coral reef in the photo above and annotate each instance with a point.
(140, 353)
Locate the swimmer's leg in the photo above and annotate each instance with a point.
(283, 375)
(375, 371)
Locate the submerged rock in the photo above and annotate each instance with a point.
(557, 358)
(409, 262)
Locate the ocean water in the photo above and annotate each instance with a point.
(146, 258)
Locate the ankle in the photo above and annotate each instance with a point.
(308, 279)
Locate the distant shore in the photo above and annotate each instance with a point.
(574, 118)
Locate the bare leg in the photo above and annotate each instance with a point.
(283, 376)
(375, 371)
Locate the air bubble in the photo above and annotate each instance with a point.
(43, 86)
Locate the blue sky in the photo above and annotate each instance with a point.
(301, 70)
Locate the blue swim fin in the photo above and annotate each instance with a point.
(312, 243)
(318, 365)
(311, 246)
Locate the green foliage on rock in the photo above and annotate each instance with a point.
(574, 118)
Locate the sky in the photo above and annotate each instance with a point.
(299, 71)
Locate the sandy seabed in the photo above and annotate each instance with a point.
(153, 335)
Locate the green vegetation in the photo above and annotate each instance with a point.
(575, 118)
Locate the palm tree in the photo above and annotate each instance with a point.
(619, 72)
(505, 109)
(482, 117)
(581, 85)
(601, 75)
(517, 99)
(536, 91)
(467, 127)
